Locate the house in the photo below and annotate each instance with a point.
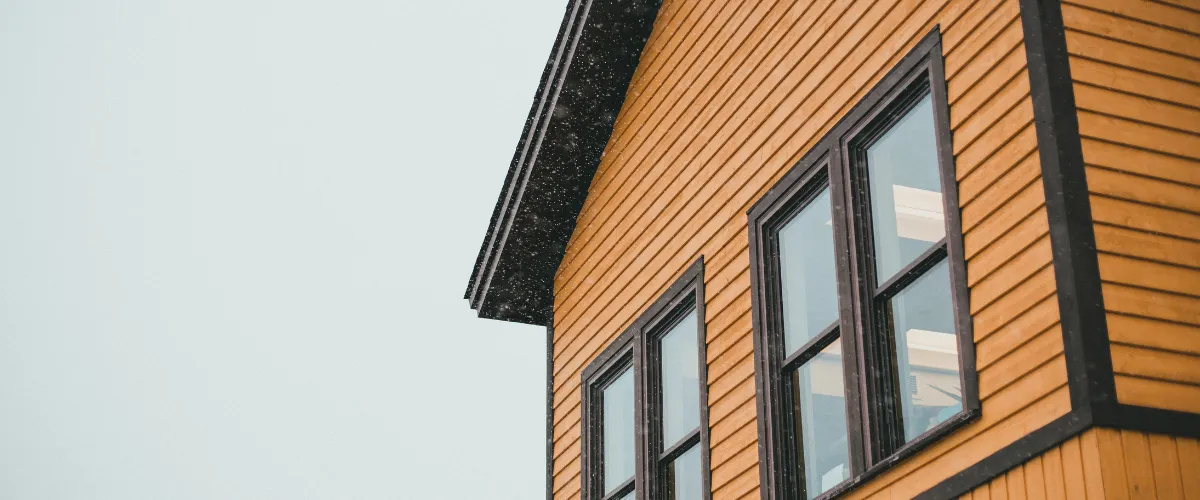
(862, 249)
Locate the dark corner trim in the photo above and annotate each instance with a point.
(1072, 238)
(581, 92)
(550, 412)
(1154, 421)
(1090, 375)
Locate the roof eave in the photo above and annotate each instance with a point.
(581, 92)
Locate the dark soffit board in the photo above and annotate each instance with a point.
(582, 89)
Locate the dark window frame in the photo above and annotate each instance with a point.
(637, 347)
(621, 355)
(836, 163)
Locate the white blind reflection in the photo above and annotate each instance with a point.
(933, 358)
(820, 397)
(906, 192)
(927, 352)
(919, 214)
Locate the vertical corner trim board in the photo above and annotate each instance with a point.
(1073, 242)
(1136, 77)
(1121, 171)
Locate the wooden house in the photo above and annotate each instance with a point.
(799, 249)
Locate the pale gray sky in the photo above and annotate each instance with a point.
(234, 237)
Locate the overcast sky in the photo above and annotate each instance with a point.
(234, 238)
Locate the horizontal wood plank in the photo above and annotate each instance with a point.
(1167, 336)
(1158, 393)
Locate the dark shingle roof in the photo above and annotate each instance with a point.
(581, 92)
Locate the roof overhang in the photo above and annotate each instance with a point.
(582, 89)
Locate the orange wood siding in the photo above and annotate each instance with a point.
(1104, 464)
(1136, 465)
(729, 94)
(1069, 471)
(1136, 67)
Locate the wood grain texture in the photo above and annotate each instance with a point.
(1056, 474)
(727, 97)
(1121, 464)
(1136, 67)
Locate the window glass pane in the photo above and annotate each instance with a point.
(820, 412)
(809, 278)
(680, 380)
(627, 496)
(683, 477)
(926, 352)
(618, 431)
(906, 192)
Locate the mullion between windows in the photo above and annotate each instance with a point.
(884, 424)
(651, 424)
(853, 362)
(652, 336)
(876, 420)
(826, 177)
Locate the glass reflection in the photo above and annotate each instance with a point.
(809, 279)
(906, 192)
(618, 451)
(682, 481)
(926, 352)
(820, 405)
(680, 379)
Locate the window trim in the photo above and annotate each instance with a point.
(622, 354)
(790, 196)
(636, 345)
(829, 163)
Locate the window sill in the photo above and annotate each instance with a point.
(923, 441)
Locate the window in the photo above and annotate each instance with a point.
(862, 334)
(617, 429)
(645, 407)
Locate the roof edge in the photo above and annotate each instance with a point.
(581, 91)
